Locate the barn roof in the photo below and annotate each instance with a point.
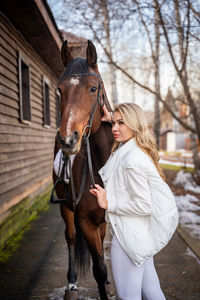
(33, 18)
(76, 43)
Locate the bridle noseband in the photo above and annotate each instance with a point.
(64, 179)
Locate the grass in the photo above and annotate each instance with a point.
(19, 222)
(170, 153)
(177, 168)
(13, 243)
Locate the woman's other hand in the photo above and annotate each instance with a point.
(100, 193)
(107, 117)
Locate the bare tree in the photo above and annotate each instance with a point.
(157, 78)
(176, 29)
(106, 25)
(154, 43)
(171, 28)
(96, 16)
(181, 66)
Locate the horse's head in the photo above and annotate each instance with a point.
(81, 92)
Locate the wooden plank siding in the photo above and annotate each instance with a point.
(26, 150)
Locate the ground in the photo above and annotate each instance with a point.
(37, 270)
(177, 190)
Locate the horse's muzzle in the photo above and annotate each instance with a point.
(69, 144)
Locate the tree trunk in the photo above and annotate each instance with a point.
(114, 86)
(157, 80)
(106, 24)
(196, 157)
(193, 108)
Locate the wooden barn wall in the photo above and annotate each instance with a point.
(26, 151)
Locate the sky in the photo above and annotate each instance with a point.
(126, 91)
(128, 48)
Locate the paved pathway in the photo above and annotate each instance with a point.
(38, 269)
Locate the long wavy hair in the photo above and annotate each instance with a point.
(134, 117)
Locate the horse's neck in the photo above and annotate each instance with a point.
(101, 144)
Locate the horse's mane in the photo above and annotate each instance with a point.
(77, 67)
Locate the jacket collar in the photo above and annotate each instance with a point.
(126, 146)
(108, 169)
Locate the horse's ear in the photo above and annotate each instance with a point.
(91, 55)
(66, 54)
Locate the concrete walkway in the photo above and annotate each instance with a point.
(37, 270)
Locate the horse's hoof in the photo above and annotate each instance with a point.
(71, 295)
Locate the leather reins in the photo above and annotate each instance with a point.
(66, 178)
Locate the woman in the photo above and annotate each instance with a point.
(138, 203)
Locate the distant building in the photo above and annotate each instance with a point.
(150, 118)
(172, 135)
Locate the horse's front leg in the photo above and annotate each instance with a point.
(93, 237)
(70, 235)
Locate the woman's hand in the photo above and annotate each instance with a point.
(100, 193)
(107, 117)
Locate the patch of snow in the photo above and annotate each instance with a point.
(193, 229)
(188, 208)
(57, 294)
(186, 180)
(174, 163)
(187, 202)
(184, 152)
(190, 253)
(187, 154)
(188, 217)
(81, 288)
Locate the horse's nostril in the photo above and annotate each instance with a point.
(76, 134)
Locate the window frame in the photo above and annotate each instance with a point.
(22, 60)
(46, 82)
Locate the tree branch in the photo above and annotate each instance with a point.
(185, 125)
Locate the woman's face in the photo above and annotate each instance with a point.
(121, 132)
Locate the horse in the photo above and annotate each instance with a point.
(82, 97)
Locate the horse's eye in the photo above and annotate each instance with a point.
(93, 89)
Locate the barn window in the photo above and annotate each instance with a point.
(46, 103)
(58, 112)
(24, 91)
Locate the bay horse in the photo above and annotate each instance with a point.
(82, 96)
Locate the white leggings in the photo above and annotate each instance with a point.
(132, 282)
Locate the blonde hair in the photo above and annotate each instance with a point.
(134, 117)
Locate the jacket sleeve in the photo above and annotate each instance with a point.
(139, 200)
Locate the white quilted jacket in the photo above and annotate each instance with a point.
(141, 206)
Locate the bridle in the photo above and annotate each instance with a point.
(65, 178)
